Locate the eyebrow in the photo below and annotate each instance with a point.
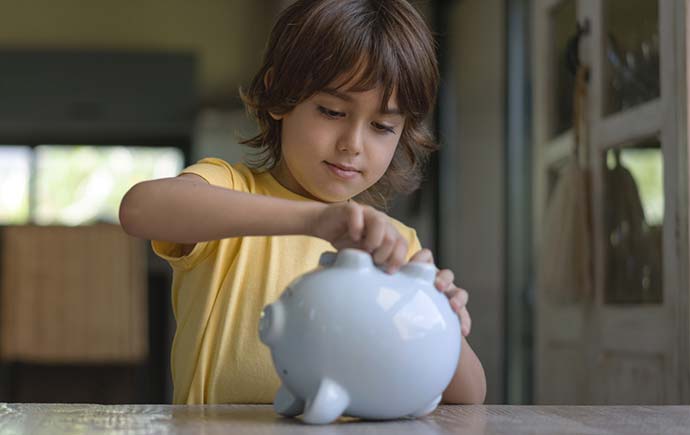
(349, 99)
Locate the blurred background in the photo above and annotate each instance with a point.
(559, 197)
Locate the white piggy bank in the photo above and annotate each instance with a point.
(349, 339)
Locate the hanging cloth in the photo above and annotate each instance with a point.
(633, 271)
(565, 259)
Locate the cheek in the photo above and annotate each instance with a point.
(382, 152)
(304, 135)
(378, 164)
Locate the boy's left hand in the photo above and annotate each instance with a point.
(444, 282)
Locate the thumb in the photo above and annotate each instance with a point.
(344, 241)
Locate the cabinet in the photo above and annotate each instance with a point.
(621, 335)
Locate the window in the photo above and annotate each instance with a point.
(15, 168)
(75, 184)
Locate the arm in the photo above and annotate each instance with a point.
(468, 385)
(187, 210)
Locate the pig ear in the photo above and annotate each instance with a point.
(424, 271)
(354, 259)
(329, 403)
(327, 258)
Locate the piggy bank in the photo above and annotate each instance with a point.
(350, 339)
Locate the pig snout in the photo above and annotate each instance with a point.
(272, 323)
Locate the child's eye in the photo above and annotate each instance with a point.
(331, 113)
(383, 128)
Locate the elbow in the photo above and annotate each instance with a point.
(130, 211)
(468, 390)
(476, 396)
(479, 396)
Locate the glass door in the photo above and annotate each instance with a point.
(635, 150)
(561, 309)
(611, 202)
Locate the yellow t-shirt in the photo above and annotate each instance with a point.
(219, 290)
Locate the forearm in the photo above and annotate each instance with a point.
(468, 385)
(185, 211)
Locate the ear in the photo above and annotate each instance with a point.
(268, 80)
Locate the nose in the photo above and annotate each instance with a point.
(351, 141)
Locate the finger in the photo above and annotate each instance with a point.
(375, 230)
(465, 322)
(355, 221)
(444, 279)
(458, 299)
(384, 251)
(423, 256)
(397, 258)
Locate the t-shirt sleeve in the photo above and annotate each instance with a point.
(413, 244)
(218, 173)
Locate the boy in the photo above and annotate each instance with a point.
(340, 100)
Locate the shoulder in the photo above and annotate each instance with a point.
(407, 232)
(218, 172)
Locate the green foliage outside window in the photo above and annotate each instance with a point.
(77, 185)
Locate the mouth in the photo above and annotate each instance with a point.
(343, 171)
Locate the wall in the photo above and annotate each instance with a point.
(472, 175)
(227, 35)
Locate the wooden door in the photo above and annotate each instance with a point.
(625, 339)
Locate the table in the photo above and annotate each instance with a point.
(59, 419)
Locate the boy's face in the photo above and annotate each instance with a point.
(337, 144)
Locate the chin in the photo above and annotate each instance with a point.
(332, 198)
(338, 196)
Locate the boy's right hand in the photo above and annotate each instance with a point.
(352, 225)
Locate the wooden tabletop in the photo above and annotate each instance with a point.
(59, 419)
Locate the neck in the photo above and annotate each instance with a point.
(284, 177)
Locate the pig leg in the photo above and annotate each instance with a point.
(427, 409)
(286, 404)
(329, 403)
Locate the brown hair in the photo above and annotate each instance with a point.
(376, 42)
